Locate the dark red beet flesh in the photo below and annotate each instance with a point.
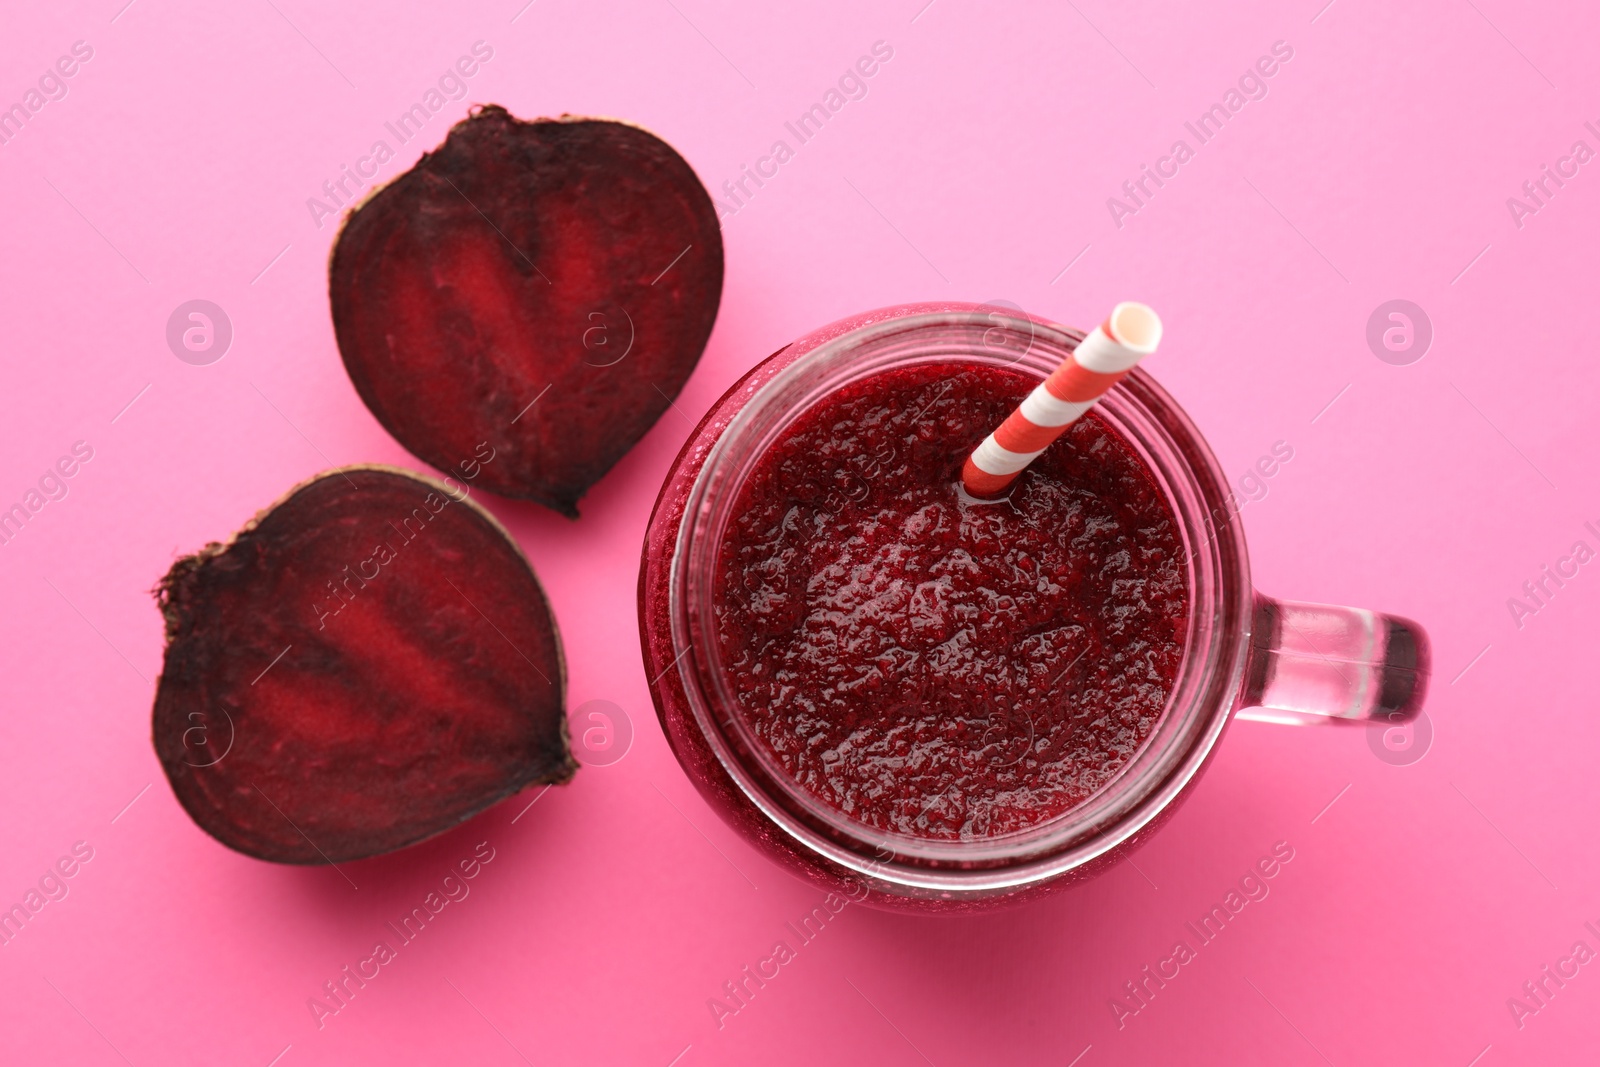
(365, 665)
(572, 265)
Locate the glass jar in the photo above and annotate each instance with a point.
(1244, 653)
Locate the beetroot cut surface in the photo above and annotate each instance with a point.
(368, 663)
(546, 286)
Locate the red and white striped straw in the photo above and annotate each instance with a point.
(1129, 333)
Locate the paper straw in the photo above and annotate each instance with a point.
(1111, 350)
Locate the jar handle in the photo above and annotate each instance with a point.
(1313, 663)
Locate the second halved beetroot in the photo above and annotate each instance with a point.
(545, 286)
(365, 665)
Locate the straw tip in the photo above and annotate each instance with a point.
(1136, 326)
(978, 486)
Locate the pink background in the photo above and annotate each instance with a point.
(1378, 167)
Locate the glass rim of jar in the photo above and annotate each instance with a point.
(1216, 643)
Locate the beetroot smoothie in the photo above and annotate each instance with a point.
(935, 668)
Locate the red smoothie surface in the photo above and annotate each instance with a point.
(940, 669)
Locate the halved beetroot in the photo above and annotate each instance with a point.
(367, 663)
(546, 286)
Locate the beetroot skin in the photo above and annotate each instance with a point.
(366, 664)
(544, 286)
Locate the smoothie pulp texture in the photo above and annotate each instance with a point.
(942, 669)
